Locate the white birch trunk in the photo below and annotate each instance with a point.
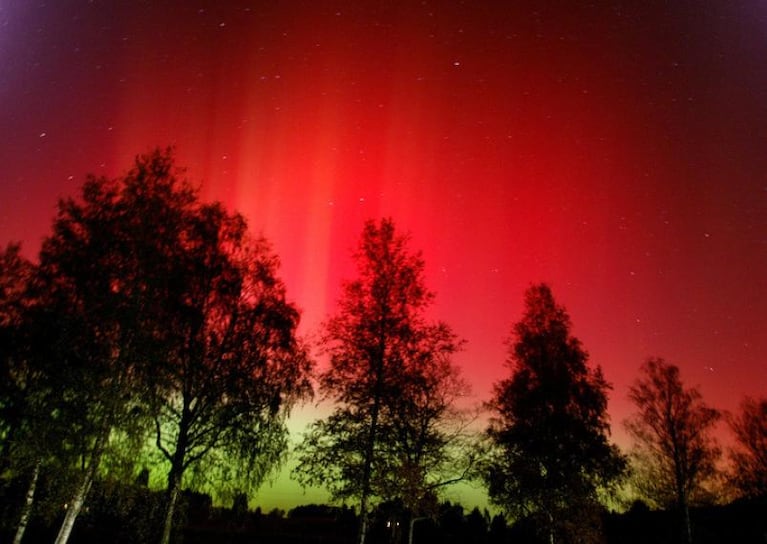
(74, 509)
(551, 528)
(26, 510)
(363, 528)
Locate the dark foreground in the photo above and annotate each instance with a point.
(132, 515)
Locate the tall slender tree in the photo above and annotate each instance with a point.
(550, 432)
(232, 365)
(386, 361)
(749, 453)
(675, 451)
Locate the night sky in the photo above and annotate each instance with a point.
(616, 152)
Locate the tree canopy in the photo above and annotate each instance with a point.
(163, 313)
(154, 322)
(675, 453)
(16, 276)
(749, 454)
(392, 381)
(231, 366)
(99, 303)
(549, 433)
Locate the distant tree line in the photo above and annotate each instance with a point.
(153, 334)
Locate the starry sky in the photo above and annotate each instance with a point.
(614, 150)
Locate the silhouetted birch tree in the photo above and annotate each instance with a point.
(675, 453)
(391, 378)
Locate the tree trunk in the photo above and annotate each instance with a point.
(77, 503)
(368, 469)
(363, 525)
(682, 504)
(687, 526)
(551, 528)
(26, 510)
(176, 473)
(369, 450)
(174, 487)
(82, 492)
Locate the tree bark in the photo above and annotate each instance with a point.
(687, 526)
(26, 510)
(370, 446)
(82, 492)
(363, 524)
(176, 472)
(366, 475)
(77, 503)
(173, 491)
(551, 528)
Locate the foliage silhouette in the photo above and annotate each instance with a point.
(98, 302)
(152, 314)
(233, 366)
(550, 453)
(749, 454)
(16, 276)
(395, 432)
(26, 404)
(162, 315)
(675, 454)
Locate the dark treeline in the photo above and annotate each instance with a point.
(132, 514)
(150, 360)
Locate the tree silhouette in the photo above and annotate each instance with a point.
(428, 444)
(392, 381)
(550, 431)
(25, 409)
(169, 314)
(675, 452)
(97, 302)
(45, 429)
(232, 367)
(16, 275)
(749, 454)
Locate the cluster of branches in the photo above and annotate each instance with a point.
(550, 460)
(149, 313)
(676, 458)
(152, 314)
(396, 432)
(550, 455)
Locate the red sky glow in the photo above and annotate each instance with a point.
(614, 151)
